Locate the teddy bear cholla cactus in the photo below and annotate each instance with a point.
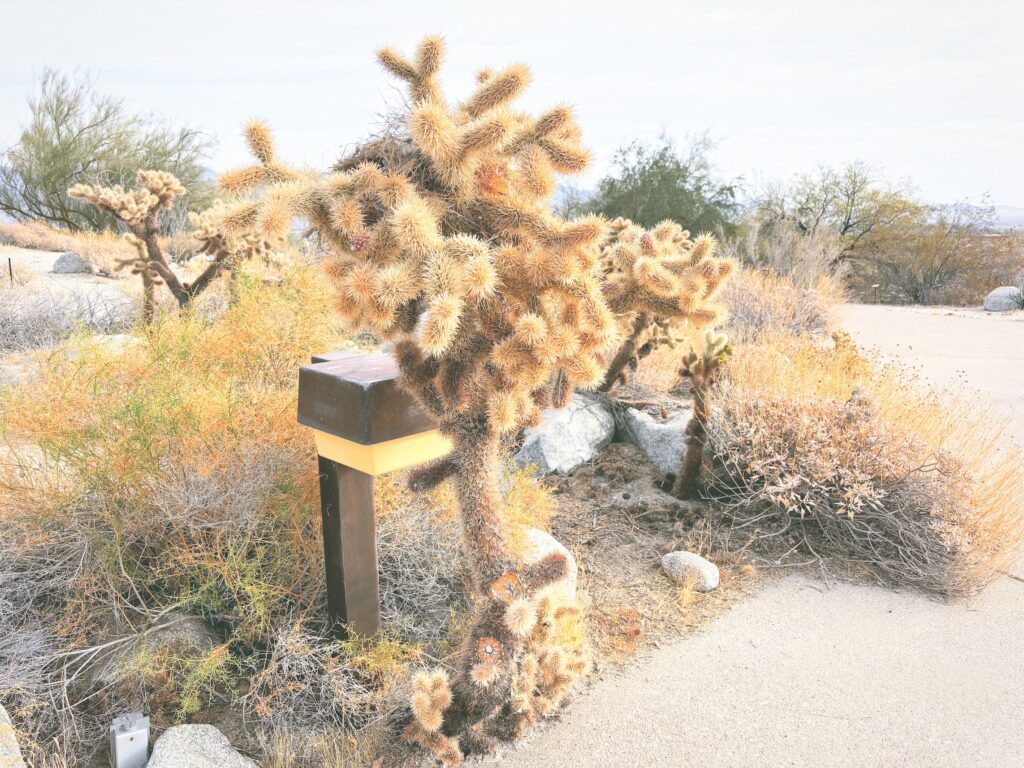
(702, 370)
(443, 241)
(660, 284)
(553, 657)
(140, 209)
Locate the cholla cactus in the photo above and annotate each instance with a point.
(442, 240)
(139, 209)
(702, 371)
(658, 283)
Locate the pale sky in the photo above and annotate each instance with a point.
(929, 91)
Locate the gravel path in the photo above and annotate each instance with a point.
(805, 675)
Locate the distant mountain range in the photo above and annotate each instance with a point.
(1010, 216)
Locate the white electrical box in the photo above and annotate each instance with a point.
(129, 740)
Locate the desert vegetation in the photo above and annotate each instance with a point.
(821, 453)
(77, 135)
(159, 524)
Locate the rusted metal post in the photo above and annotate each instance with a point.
(364, 425)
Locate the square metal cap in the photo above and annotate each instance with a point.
(356, 396)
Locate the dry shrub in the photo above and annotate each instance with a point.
(32, 319)
(101, 248)
(820, 450)
(313, 690)
(782, 249)
(321, 702)
(169, 473)
(422, 580)
(762, 302)
(166, 472)
(789, 281)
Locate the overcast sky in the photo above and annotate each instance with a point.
(929, 91)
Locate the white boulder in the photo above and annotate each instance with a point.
(663, 442)
(690, 568)
(567, 437)
(10, 752)
(196, 746)
(71, 263)
(1004, 299)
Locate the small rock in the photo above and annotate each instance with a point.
(10, 752)
(689, 567)
(538, 544)
(568, 437)
(196, 746)
(1004, 299)
(71, 263)
(663, 442)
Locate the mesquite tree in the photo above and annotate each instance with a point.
(139, 209)
(442, 239)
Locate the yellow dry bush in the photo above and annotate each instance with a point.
(819, 447)
(163, 469)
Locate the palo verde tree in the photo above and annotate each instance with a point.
(139, 209)
(441, 238)
(78, 135)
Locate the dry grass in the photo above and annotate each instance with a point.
(823, 452)
(139, 477)
(759, 302)
(101, 248)
(32, 319)
(763, 302)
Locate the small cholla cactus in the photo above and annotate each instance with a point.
(657, 282)
(139, 209)
(702, 370)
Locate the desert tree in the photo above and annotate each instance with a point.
(75, 135)
(939, 253)
(650, 183)
(139, 210)
(855, 203)
(441, 239)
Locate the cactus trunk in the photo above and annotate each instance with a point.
(687, 484)
(477, 452)
(627, 353)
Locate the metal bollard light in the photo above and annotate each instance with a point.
(364, 425)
